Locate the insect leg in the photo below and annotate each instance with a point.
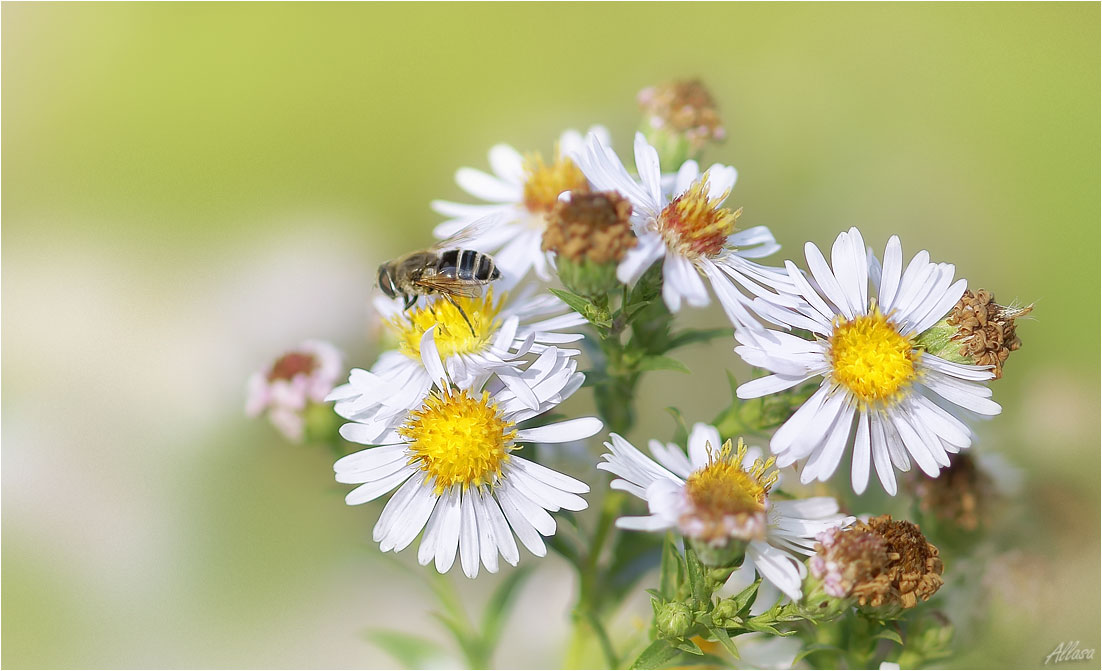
(458, 307)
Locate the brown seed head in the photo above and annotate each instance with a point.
(881, 563)
(985, 329)
(959, 494)
(291, 364)
(685, 106)
(590, 226)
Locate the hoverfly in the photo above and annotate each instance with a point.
(445, 268)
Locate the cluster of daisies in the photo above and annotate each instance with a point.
(445, 413)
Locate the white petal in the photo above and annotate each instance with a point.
(561, 432)
(880, 457)
(544, 474)
(468, 534)
(527, 533)
(487, 187)
(373, 490)
(507, 163)
(430, 356)
(502, 535)
(703, 441)
(646, 163)
(859, 474)
(823, 275)
(777, 567)
(447, 536)
(889, 276)
(487, 540)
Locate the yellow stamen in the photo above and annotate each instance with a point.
(694, 224)
(544, 182)
(452, 336)
(724, 487)
(871, 358)
(459, 439)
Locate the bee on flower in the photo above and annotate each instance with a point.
(451, 457)
(475, 337)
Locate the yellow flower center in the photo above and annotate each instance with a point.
(724, 488)
(453, 336)
(696, 225)
(545, 181)
(871, 358)
(459, 439)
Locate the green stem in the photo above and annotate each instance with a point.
(587, 611)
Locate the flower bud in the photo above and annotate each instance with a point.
(679, 119)
(673, 619)
(977, 331)
(728, 552)
(589, 233)
(289, 391)
(725, 614)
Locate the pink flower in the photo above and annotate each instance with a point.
(285, 387)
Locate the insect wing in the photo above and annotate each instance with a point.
(449, 285)
(471, 232)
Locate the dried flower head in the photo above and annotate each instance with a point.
(986, 330)
(683, 106)
(959, 494)
(880, 563)
(590, 227)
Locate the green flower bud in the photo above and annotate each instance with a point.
(586, 278)
(728, 555)
(725, 614)
(673, 620)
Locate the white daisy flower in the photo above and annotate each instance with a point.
(451, 460)
(522, 190)
(284, 388)
(905, 401)
(506, 331)
(716, 495)
(689, 228)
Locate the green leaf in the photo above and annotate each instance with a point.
(681, 434)
(724, 639)
(889, 634)
(597, 315)
(745, 599)
(564, 548)
(691, 336)
(657, 655)
(499, 605)
(697, 581)
(672, 570)
(411, 651)
(689, 647)
(732, 382)
(818, 647)
(472, 649)
(661, 362)
(634, 556)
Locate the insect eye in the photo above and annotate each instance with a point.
(385, 283)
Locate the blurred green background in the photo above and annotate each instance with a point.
(189, 188)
